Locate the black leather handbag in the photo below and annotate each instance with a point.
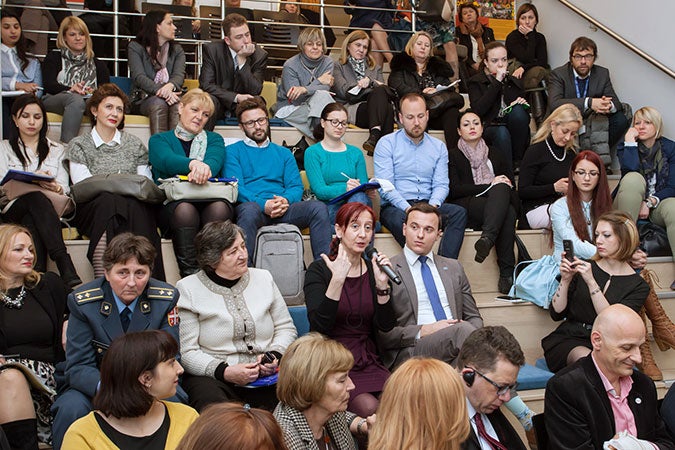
(653, 239)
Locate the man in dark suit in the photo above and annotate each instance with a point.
(423, 329)
(489, 362)
(98, 316)
(232, 69)
(589, 88)
(602, 396)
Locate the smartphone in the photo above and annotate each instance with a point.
(509, 298)
(568, 247)
(267, 358)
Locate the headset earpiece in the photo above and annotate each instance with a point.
(469, 376)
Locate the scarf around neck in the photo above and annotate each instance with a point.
(478, 159)
(311, 65)
(198, 146)
(359, 66)
(162, 75)
(477, 33)
(76, 68)
(653, 164)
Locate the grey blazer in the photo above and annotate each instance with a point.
(143, 74)
(561, 87)
(397, 344)
(345, 79)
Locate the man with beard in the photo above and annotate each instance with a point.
(417, 166)
(270, 187)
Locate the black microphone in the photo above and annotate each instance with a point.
(370, 251)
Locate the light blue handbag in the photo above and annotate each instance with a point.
(538, 281)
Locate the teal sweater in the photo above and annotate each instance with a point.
(324, 170)
(263, 172)
(168, 158)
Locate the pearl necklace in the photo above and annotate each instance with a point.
(553, 154)
(13, 303)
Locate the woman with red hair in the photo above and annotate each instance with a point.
(348, 299)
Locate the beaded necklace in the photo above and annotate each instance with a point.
(16, 302)
(553, 153)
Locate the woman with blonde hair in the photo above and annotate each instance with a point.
(425, 400)
(371, 107)
(70, 74)
(313, 392)
(546, 163)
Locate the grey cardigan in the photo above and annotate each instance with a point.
(143, 74)
(295, 74)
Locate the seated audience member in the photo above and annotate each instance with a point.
(108, 150)
(157, 67)
(472, 34)
(442, 31)
(668, 411)
(306, 79)
(372, 107)
(434, 315)
(546, 163)
(588, 87)
(233, 426)
(233, 69)
(647, 189)
(312, 14)
(529, 57)
(198, 154)
(28, 149)
(481, 181)
(417, 70)
(71, 74)
(378, 21)
(196, 24)
(20, 72)
(40, 18)
(125, 299)
(104, 24)
(351, 304)
(417, 165)
(270, 188)
(489, 362)
(31, 319)
(138, 372)
(499, 100)
(313, 390)
(587, 288)
(334, 167)
(601, 400)
(424, 398)
(223, 345)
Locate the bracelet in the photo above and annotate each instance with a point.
(383, 292)
(359, 424)
(595, 292)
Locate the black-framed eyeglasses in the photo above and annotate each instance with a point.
(580, 57)
(501, 389)
(583, 173)
(251, 123)
(337, 123)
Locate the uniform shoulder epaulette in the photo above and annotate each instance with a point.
(161, 293)
(88, 295)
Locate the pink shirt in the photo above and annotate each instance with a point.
(623, 416)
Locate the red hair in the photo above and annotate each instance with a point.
(602, 199)
(345, 215)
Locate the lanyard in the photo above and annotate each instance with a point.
(576, 86)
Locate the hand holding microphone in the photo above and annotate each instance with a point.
(386, 268)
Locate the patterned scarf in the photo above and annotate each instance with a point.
(477, 33)
(478, 159)
(198, 146)
(76, 68)
(162, 75)
(359, 66)
(652, 164)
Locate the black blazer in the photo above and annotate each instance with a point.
(485, 94)
(404, 78)
(507, 435)
(578, 414)
(218, 78)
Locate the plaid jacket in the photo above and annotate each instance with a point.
(298, 435)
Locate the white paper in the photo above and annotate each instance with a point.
(355, 90)
(385, 185)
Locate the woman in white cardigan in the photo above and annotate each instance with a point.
(232, 317)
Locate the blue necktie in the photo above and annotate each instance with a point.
(582, 87)
(432, 292)
(125, 318)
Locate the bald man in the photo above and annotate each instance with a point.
(601, 395)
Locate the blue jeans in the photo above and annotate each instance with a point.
(312, 214)
(454, 223)
(359, 197)
(513, 137)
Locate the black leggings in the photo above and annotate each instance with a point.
(376, 111)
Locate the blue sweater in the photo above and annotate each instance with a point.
(263, 172)
(168, 158)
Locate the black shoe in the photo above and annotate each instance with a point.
(504, 284)
(483, 247)
(369, 145)
(67, 272)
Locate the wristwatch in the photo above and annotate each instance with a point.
(651, 203)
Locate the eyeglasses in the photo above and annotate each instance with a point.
(251, 123)
(583, 173)
(501, 389)
(337, 123)
(579, 57)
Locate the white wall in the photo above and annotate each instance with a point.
(635, 80)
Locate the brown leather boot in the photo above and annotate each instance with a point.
(648, 365)
(663, 328)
